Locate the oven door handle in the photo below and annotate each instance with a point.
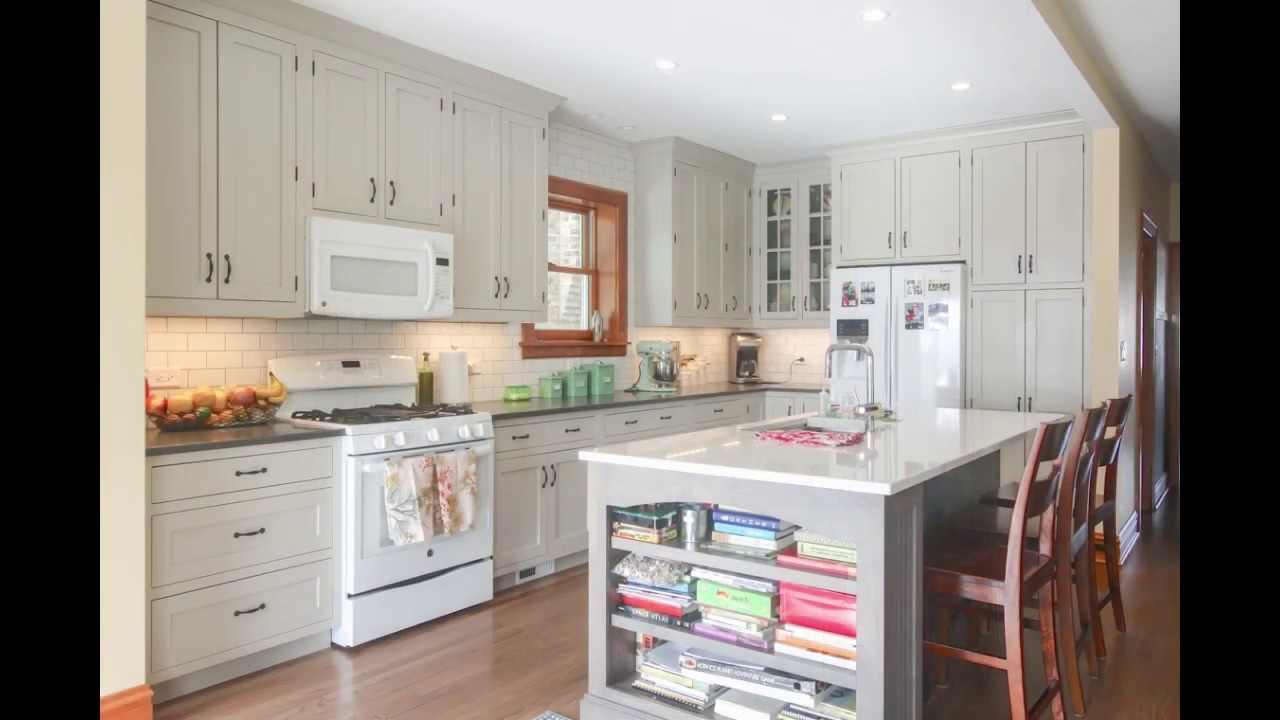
(484, 449)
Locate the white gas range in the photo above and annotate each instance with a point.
(388, 587)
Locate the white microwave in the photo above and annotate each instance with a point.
(378, 272)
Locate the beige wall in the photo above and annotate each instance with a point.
(122, 215)
(1175, 212)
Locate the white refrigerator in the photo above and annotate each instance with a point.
(912, 317)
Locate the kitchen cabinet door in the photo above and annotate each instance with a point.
(868, 192)
(344, 121)
(524, 217)
(415, 152)
(1055, 210)
(710, 247)
(182, 154)
(997, 351)
(734, 263)
(686, 190)
(778, 406)
(521, 510)
(816, 293)
(777, 253)
(257, 233)
(930, 205)
(1055, 350)
(999, 214)
(477, 187)
(569, 521)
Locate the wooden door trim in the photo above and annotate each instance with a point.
(131, 704)
(1148, 237)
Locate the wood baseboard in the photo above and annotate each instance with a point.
(1127, 540)
(1160, 491)
(131, 704)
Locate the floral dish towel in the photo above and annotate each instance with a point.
(404, 499)
(456, 486)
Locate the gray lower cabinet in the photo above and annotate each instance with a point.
(540, 509)
(569, 478)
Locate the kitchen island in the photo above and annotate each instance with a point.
(878, 494)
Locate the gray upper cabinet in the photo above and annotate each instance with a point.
(182, 154)
(345, 136)
(523, 251)
(257, 161)
(1055, 210)
(710, 238)
(930, 205)
(477, 223)
(999, 214)
(736, 278)
(686, 190)
(415, 152)
(867, 197)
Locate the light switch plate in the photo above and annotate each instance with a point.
(160, 378)
(1124, 351)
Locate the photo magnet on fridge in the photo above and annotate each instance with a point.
(939, 316)
(869, 292)
(914, 288)
(914, 316)
(848, 295)
(939, 286)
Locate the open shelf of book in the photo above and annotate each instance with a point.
(785, 663)
(622, 693)
(706, 557)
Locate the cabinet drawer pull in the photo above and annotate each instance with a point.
(664, 417)
(630, 422)
(393, 192)
(227, 280)
(497, 286)
(251, 533)
(520, 437)
(373, 184)
(554, 476)
(544, 476)
(262, 471)
(261, 606)
(572, 430)
(209, 278)
(718, 410)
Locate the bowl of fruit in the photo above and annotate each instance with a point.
(207, 408)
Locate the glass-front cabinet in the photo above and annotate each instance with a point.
(793, 250)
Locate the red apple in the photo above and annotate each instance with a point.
(242, 396)
(157, 405)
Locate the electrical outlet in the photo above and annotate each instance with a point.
(161, 378)
(799, 361)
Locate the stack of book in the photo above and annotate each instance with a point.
(661, 678)
(819, 625)
(736, 608)
(658, 605)
(647, 523)
(758, 536)
(824, 554)
(715, 670)
(834, 703)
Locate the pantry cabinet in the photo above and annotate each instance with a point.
(1028, 212)
(692, 246)
(795, 250)
(344, 136)
(1026, 350)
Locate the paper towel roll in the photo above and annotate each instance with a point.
(451, 381)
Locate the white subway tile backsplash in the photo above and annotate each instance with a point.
(351, 326)
(223, 325)
(258, 325)
(322, 326)
(337, 342)
(224, 359)
(212, 378)
(308, 342)
(276, 341)
(207, 341)
(243, 341)
(186, 325)
(377, 326)
(188, 360)
(156, 360)
(157, 324)
(246, 376)
(292, 326)
(365, 341)
(259, 358)
(166, 341)
(391, 342)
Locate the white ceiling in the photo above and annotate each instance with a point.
(837, 78)
(1136, 43)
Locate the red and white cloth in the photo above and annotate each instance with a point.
(810, 438)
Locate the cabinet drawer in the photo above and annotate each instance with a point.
(724, 411)
(547, 432)
(197, 543)
(210, 477)
(221, 619)
(646, 420)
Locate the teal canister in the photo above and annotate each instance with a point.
(551, 386)
(600, 378)
(575, 383)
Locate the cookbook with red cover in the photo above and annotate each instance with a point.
(819, 609)
(791, 558)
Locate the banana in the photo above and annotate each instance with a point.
(275, 388)
(278, 399)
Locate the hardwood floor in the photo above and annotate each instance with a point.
(525, 652)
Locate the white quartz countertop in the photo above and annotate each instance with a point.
(922, 445)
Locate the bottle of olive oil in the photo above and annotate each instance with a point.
(425, 392)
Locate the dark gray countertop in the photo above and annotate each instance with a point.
(537, 406)
(169, 443)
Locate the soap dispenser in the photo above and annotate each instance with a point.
(425, 389)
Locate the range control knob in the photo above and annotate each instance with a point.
(464, 432)
(477, 430)
(433, 435)
(380, 442)
(398, 439)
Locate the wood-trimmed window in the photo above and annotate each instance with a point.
(587, 271)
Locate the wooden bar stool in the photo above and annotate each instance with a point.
(967, 567)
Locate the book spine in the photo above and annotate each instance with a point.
(743, 601)
(826, 552)
(651, 672)
(643, 536)
(734, 622)
(729, 636)
(822, 636)
(717, 672)
(740, 550)
(757, 521)
(742, 583)
(816, 656)
(811, 537)
(653, 523)
(795, 712)
(745, 531)
(783, 693)
(640, 613)
(750, 542)
(660, 693)
(653, 606)
(811, 563)
(785, 638)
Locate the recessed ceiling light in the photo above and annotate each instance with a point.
(626, 127)
(777, 117)
(960, 86)
(666, 64)
(874, 15)
(592, 116)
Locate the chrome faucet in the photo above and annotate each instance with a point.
(867, 410)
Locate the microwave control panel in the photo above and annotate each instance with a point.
(443, 279)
